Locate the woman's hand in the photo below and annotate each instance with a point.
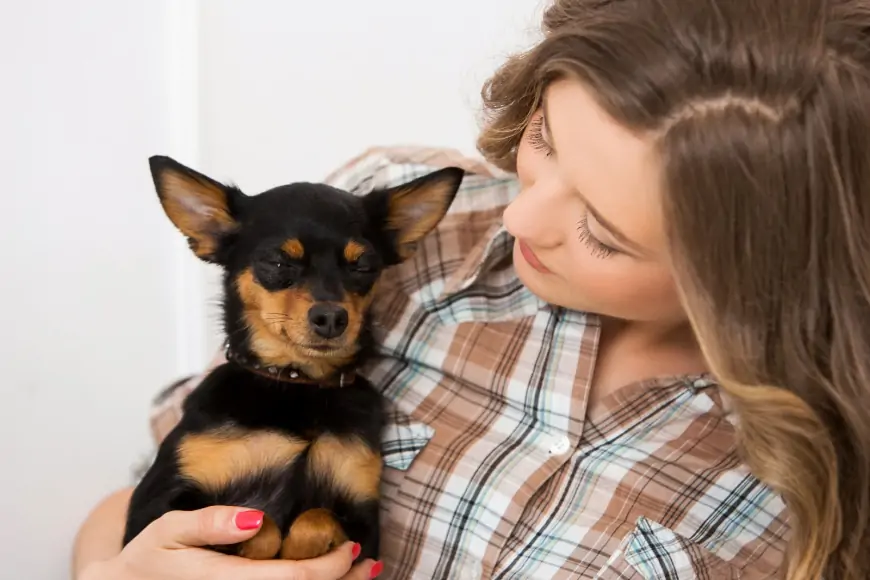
(169, 549)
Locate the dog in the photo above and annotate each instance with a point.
(286, 426)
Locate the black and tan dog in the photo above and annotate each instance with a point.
(285, 426)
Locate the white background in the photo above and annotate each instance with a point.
(100, 303)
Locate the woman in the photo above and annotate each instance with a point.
(685, 198)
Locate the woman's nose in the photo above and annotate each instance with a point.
(538, 215)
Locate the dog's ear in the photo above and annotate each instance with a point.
(406, 213)
(203, 209)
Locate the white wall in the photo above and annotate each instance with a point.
(86, 298)
(290, 90)
(101, 304)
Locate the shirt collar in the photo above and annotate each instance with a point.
(494, 249)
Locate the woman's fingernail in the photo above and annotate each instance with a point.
(355, 551)
(249, 520)
(376, 570)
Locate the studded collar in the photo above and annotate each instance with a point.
(285, 374)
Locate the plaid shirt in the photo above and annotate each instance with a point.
(493, 466)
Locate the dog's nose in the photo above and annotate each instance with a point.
(328, 320)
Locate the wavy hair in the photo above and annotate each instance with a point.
(760, 113)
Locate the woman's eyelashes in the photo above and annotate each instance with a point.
(536, 137)
(598, 248)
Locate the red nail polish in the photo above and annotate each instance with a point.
(249, 520)
(376, 570)
(355, 551)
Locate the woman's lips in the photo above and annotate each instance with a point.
(531, 258)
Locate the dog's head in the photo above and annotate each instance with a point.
(301, 261)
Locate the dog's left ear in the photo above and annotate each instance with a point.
(408, 212)
(203, 209)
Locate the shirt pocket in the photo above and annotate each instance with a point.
(653, 552)
(402, 438)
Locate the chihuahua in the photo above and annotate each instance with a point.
(286, 426)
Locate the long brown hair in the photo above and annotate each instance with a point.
(760, 111)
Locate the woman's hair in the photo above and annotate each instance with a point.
(760, 112)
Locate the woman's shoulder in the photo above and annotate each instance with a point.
(484, 188)
(373, 161)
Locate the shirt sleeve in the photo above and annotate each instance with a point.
(371, 169)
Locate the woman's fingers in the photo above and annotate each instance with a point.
(365, 570)
(220, 525)
(332, 566)
(211, 526)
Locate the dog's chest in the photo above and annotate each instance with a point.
(217, 458)
(241, 429)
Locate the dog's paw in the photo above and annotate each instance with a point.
(314, 533)
(265, 545)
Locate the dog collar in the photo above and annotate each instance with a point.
(285, 374)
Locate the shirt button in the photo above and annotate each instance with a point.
(560, 446)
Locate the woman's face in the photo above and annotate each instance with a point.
(588, 223)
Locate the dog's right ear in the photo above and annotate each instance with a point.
(203, 209)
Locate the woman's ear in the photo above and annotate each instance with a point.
(199, 206)
(408, 212)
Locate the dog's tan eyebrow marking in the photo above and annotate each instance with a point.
(294, 248)
(353, 250)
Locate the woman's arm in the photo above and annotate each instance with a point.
(99, 537)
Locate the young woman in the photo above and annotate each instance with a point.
(641, 332)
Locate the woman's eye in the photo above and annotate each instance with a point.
(599, 249)
(536, 137)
